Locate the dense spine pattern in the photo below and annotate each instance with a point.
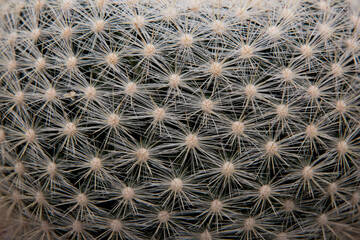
(219, 119)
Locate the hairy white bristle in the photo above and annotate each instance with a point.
(307, 172)
(113, 120)
(207, 105)
(12, 65)
(342, 147)
(12, 37)
(352, 44)
(216, 69)
(116, 225)
(45, 226)
(71, 94)
(90, 93)
(131, 88)
(271, 148)
(325, 30)
(138, 21)
(82, 199)
(216, 206)
(176, 185)
(282, 111)
(96, 164)
(195, 5)
(142, 155)
(19, 98)
(336, 69)
(16, 196)
(2, 135)
(249, 224)
(70, 129)
(287, 14)
(50, 94)
(170, 13)
(149, 50)
(159, 114)
(66, 33)
(274, 32)
(313, 92)
(205, 235)
(39, 5)
(311, 131)
(112, 58)
(323, 5)
(238, 127)
(174, 80)
(218, 26)
(101, 4)
(66, 5)
(131, 3)
(306, 51)
(282, 236)
(30, 135)
(164, 216)
(186, 40)
(51, 169)
(355, 20)
(242, 13)
(228, 169)
(19, 7)
(191, 141)
(250, 91)
(340, 106)
(287, 75)
(35, 34)
(355, 198)
(322, 219)
(39, 197)
(332, 188)
(128, 193)
(40, 64)
(77, 226)
(289, 206)
(19, 168)
(246, 51)
(98, 26)
(71, 62)
(265, 191)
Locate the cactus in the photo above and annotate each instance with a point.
(154, 119)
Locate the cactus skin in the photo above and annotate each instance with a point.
(222, 119)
